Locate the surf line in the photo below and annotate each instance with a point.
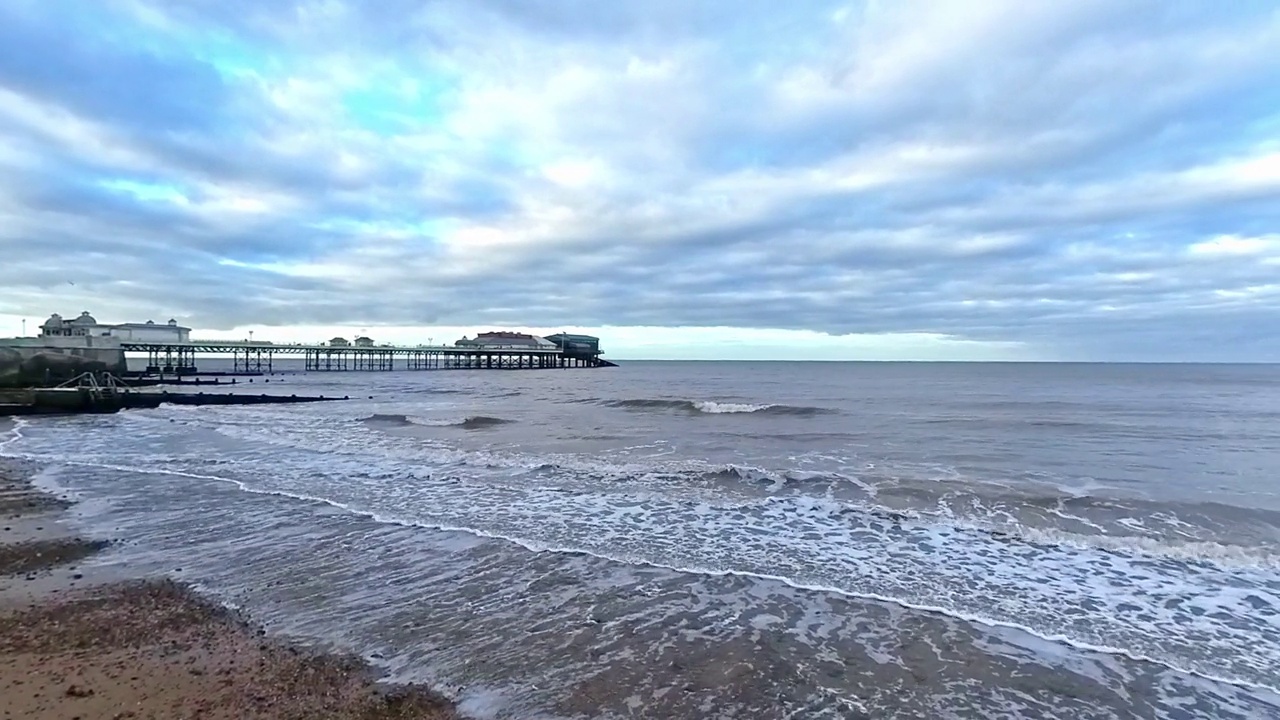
(15, 433)
(534, 546)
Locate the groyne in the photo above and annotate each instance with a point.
(46, 401)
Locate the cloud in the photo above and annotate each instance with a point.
(1084, 181)
(1234, 245)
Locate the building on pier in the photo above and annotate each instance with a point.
(87, 326)
(504, 339)
(576, 345)
(151, 332)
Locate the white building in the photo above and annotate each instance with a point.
(87, 326)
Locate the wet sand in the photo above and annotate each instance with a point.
(75, 644)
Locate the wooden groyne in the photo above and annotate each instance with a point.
(140, 380)
(87, 399)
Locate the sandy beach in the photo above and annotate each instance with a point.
(78, 645)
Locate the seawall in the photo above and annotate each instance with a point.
(26, 362)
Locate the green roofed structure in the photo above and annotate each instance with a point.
(583, 349)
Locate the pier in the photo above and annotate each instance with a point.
(66, 347)
(249, 357)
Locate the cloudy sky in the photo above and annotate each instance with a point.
(709, 178)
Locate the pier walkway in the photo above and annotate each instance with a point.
(259, 357)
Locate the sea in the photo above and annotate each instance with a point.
(730, 539)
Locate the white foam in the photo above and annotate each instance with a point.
(14, 434)
(435, 422)
(1227, 556)
(717, 408)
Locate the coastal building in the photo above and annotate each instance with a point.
(364, 341)
(87, 326)
(339, 342)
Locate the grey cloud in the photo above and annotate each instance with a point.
(51, 58)
(1061, 228)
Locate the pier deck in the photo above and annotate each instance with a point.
(259, 357)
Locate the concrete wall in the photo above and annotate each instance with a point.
(27, 362)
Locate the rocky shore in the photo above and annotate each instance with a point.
(73, 645)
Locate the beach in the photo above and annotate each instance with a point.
(75, 643)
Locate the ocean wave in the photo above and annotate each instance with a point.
(1191, 552)
(14, 433)
(482, 421)
(1093, 501)
(470, 423)
(776, 480)
(388, 419)
(913, 543)
(712, 407)
(1043, 514)
(741, 473)
(1184, 550)
(541, 545)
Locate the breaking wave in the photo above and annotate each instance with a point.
(711, 407)
(388, 419)
(481, 421)
(474, 422)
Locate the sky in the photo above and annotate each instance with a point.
(968, 180)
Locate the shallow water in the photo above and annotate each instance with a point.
(734, 539)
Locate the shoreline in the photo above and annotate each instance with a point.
(90, 643)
